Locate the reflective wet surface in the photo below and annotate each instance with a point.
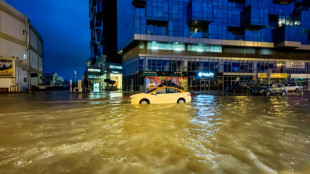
(64, 133)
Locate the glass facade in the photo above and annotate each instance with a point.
(235, 40)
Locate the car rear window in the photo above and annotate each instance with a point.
(171, 90)
(161, 91)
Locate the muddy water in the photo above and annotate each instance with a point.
(214, 134)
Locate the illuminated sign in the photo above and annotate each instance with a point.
(202, 74)
(273, 75)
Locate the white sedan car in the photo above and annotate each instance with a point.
(161, 95)
(293, 87)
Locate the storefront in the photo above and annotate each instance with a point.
(265, 78)
(302, 80)
(207, 73)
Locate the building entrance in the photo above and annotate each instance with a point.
(204, 85)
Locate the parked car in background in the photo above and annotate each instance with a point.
(293, 87)
(270, 89)
(161, 95)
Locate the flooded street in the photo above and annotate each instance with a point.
(64, 133)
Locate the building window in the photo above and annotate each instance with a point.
(176, 46)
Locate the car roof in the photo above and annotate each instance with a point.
(162, 87)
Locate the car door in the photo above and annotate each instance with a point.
(273, 88)
(172, 95)
(159, 97)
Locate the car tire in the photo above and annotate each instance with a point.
(296, 90)
(144, 102)
(181, 100)
(268, 93)
(283, 93)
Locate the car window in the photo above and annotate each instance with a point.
(274, 86)
(171, 90)
(161, 91)
(280, 85)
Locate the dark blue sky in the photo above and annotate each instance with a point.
(64, 27)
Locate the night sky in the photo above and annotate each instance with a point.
(64, 27)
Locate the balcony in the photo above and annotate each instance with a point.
(253, 17)
(139, 3)
(287, 36)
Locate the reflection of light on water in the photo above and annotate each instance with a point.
(116, 94)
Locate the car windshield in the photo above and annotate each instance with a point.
(151, 90)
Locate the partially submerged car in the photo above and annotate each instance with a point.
(270, 89)
(161, 95)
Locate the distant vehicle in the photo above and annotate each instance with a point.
(270, 89)
(161, 95)
(293, 87)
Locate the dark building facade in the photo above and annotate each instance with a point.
(103, 44)
(212, 44)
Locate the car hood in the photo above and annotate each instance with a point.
(138, 95)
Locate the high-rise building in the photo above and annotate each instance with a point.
(213, 44)
(103, 25)
(21, 51)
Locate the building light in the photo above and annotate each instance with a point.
(94, 70)
(115, 67)
(199, 50)
(154, 48)
(178, 49)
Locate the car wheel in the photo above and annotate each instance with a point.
(181, 100)
(268, 93)
(144, 102)
(296, 90)
(283, 93)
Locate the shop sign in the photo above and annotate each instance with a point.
(279, 75)
(148, 73)
(300, 76)
(7, 67)
(262, 75)
(273, 75)
(295, 65)
(202, 74)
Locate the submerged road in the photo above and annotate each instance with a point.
(59, 132)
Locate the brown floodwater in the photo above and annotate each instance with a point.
(105, 134)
